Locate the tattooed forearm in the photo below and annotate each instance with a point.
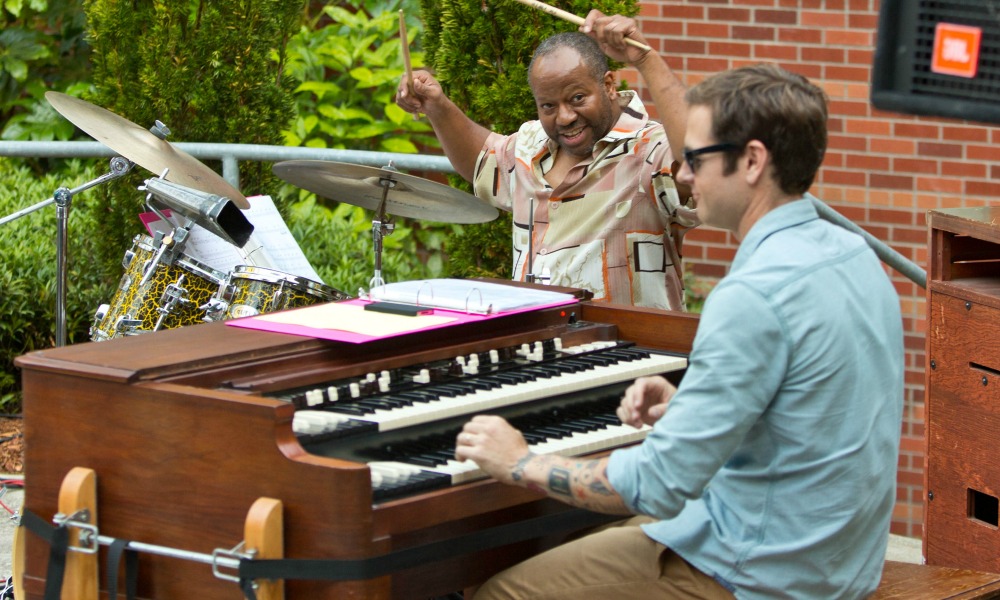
(518, 473)
(559, 481)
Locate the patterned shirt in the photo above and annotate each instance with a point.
(607, 227)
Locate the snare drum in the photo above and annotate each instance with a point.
(152, 296)
(254, 290)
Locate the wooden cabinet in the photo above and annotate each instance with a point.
(962, 474)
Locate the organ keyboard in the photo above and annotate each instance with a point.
(186, 428)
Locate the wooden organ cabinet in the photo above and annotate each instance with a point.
(962, 474)
(185, 429)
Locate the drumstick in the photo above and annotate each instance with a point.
(406, 55)
(567, 16)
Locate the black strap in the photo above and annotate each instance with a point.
(58, 540)
(115, 551)
(378, 566)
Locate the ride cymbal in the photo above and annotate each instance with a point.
(142, 147)
(408, 196)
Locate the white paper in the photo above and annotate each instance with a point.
(467, 295)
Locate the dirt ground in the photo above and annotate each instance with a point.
(11, 446)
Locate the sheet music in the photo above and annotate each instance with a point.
(468, 295)
(270, 231)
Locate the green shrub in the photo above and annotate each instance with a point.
(28, 272)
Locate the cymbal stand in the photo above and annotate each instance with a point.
(63, 198)
(381, 227)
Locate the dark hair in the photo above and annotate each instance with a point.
(585, 46)
(781, 109)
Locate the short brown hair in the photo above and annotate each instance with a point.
(781, 109)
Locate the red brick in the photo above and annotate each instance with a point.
(821, 19)
(778, 17)
(916, 130)
(731, 49)
(709, 65)
(800, 36)
(842, 177)
(860, 57)
(709, 30)
(939, 184)
(890, 216)
(771, 52)
(967, 169)
(846, 143)
(848, 38)
(965, 134)
(987, 153)
(862, 21)
(897, 182)
(868, 127)
(820, 54)
(847, 73)
(983, 188)
(740, 15)
(943, 150)
(914, 165)
(743, 32)
(870, 162)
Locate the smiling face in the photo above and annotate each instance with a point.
(575, 109)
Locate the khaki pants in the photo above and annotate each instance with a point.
(615, 562)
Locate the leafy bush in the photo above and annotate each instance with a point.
(28, 272)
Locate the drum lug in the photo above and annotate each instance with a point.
(127, 326)
(215, 310)
(175, 294)
(128, 258)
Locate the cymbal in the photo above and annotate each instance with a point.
(141, 146)
(408, 196)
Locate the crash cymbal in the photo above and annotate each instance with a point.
(142, 147)
(408, 196)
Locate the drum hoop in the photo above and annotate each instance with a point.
(266, 275)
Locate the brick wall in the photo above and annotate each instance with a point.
(883, 171)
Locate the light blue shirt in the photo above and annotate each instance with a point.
(773, 469)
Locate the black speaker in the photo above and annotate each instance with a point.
(938, 58)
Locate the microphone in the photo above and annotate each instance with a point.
(215, 213)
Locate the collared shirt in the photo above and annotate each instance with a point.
(773, 469)
(606, 227)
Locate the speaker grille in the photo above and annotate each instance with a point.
(984, 14)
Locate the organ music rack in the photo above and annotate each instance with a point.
(183, 439)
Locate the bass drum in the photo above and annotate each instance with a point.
(254, 290)
(156, 294)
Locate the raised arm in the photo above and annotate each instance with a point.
(501, 451)
(665, 88)
(460, 137)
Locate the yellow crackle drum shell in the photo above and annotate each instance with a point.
(136, 309)
(258, 290)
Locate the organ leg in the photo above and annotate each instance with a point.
(79, 492)
(263, 533)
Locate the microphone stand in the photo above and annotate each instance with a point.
(63, 198)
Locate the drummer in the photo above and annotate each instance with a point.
(594, 168)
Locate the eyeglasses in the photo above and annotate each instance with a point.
(691, 156)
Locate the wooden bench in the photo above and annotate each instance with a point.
(923, 582)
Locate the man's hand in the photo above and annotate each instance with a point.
(610, 33)
(645, 401)
(418, 95)
(495, 446)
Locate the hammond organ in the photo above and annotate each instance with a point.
(186, 428)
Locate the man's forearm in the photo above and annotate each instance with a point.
(667, 92)
(581, 483)
(461, 138)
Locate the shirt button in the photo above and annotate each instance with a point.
(555, 206)
(543, 251)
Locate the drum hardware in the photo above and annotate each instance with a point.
(252, 290)
(63, 198)
(217, 214)
(175, 294)
(412, 197)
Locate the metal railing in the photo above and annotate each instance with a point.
(230, 154)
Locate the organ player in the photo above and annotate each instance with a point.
(592, 175)
(769, 471)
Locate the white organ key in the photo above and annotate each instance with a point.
(575, 445)
(314, 397)
(507, 395)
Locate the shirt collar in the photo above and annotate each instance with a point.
(785, 216)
